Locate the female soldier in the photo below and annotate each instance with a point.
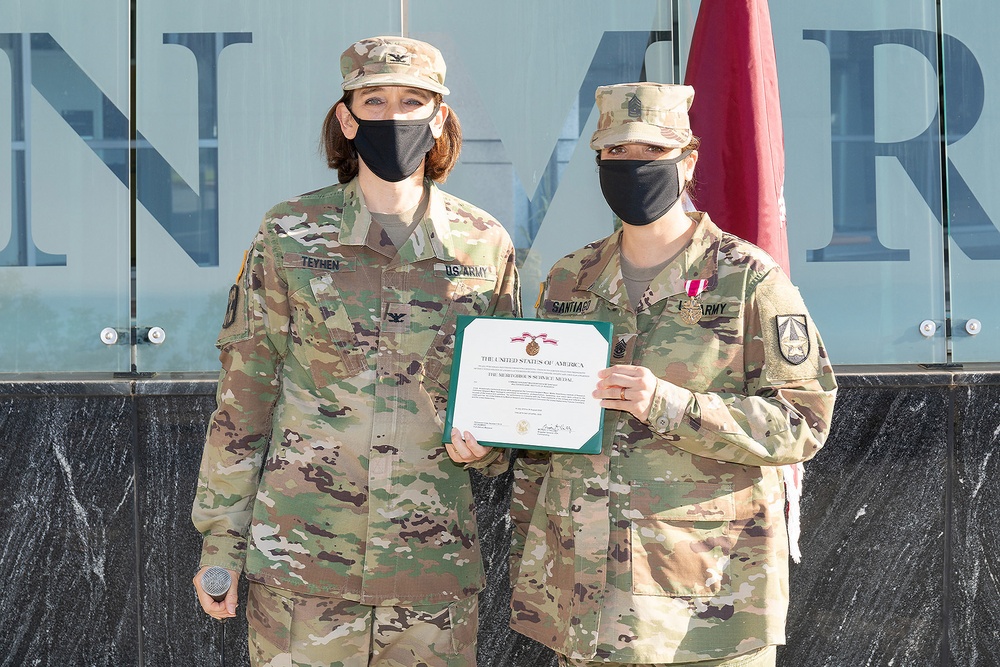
(323, 477)
(670, 545)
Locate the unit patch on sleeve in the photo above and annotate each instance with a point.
(236, 324)
(793, 337)
(232, 307)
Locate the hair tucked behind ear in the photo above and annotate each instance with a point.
(692, 145)
(340, 153)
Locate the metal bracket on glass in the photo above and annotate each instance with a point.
(112, 336)
(928, 328)
(154, 335)
(973, 327)
(135, 336)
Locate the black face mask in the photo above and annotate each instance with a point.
(393, 149)
(641, 191)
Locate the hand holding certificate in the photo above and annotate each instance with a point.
(529, 383)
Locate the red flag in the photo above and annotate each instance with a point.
(736, 113)
(741, 161)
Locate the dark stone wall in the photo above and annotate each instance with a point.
(900, 528)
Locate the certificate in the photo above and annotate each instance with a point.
(528, 383)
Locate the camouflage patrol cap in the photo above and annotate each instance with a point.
(646, 113)
(393, 61)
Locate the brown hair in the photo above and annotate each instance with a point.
(692, 145)
(341, 155)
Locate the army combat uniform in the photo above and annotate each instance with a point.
(324, 471)
(670, 545)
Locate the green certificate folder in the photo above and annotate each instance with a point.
(528, 383)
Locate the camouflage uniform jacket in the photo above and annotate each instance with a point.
(324, 470)
(670, 545)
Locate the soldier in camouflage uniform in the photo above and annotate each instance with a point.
(324, 478)
(670, 546)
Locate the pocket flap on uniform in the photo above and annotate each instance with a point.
(557, 496)
(327, 331)
(683, 501)
(330, 311)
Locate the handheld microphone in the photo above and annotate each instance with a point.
(216, 582)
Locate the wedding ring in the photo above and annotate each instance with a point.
(622, 396)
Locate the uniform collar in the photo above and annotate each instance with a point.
(602, 273)
(431, 238)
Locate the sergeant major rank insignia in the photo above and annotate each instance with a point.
(793, 338)
(620, 351)
(634, 107)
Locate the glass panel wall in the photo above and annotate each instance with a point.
(859, 97)
(64, 189)
(972, 113)
(231, 98)
(524, 91)
(886, 230)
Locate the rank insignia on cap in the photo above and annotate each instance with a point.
(793, 337)
(634, 107)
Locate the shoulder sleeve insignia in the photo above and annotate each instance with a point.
(232, 308)
(793, 337)
(236, 322)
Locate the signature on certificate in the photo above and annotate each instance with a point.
(554, 429)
